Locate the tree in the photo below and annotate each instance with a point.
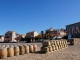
(42, 32)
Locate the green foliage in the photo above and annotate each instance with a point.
(44, 36)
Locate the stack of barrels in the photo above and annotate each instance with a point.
(15, 50)
(74, 41)
(54, 45)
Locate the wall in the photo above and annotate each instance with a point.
(32, 34)
(2, 39)
(35, 34)
(73, 29)
(13, 36)
(23, 35)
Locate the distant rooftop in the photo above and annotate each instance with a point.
(73, 23)
(2, 35)
(32, 31)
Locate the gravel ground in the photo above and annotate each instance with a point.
(70, 53)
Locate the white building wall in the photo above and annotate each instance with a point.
(35, 34)
(13, 36)
(2, 39)
(62, 33)
(32, 34)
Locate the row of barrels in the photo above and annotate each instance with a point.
(74, 41)
(51, 46)
(15, 50)
(54, 42)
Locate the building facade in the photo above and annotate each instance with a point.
(51, 31)
(73, 30)
(11, 35)
(57, 32)
(30, 36)
(1, 38)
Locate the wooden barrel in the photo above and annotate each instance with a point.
(59, 42)
(10, 51)
(35, 48)
(53, 47)
(56, 47)
(46, 43)
(44, 49)
(50, 49)
(54, 42)
(3, 53)
(16, 51)
(62, 45)
(21, 50)
(64, 41)
(66, 45)
(59, 47)
(51, 42)
(31, 50)
(72, 42)
(26, 49)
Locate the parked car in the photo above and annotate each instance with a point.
(56, 37)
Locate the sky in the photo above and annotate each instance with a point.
(23, 16)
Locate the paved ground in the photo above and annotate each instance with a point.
(70, 53)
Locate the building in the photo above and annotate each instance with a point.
(11, 35)
(22, 37)
(58, 32)
(51, 31)
(31, 36)
(73, 30)
(62, 33)
(1, 38)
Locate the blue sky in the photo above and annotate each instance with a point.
(23, 16)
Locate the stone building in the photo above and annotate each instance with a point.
(22, 37)
(11, 35)
(56, 32)
(31, 36)
(1, 38)
(51, 31)
(73, 30)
